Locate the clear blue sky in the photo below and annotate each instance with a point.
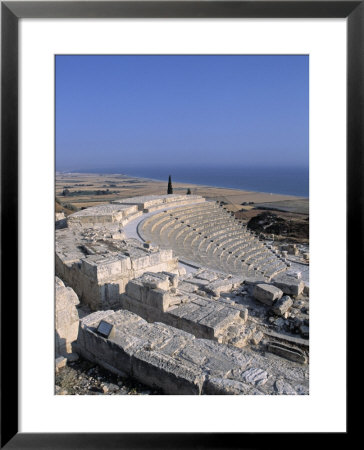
(124, 111)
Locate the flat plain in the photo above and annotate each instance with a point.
(82, 190)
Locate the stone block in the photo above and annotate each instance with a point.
(60, 216)
(266, 293)
(218, 320)
(142, 262)
(155, 258)
(136, 289)
(102, 269)
(109, 294)
(66, 319)
(289, 285)
(155, 280)
(173, 278)
(158, 298)
(217, 287)
(293, 250)
(187, 287)
(206, 275)
(282, 305)
(60, 363)
(65, 296)
(172, 376)
(125, 263)
(257, 337)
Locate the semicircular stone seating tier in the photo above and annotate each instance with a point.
(209, 236)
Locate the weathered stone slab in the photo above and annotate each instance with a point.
(155, 280)
(162, 356)
(135, 289)
(158, 298)
(289, 285)
(206, 275)
(102, 268)
(173, 376)
(141, 262)
(266, 293)
(187, 287)
(185, 309)
(100, 214)
(219, 286)
(218, 320)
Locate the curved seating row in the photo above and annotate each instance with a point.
(209, 235)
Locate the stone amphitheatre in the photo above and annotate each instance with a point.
(175, 292)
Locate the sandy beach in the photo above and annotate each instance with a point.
(83, 190)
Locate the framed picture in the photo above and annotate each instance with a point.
(27, 226)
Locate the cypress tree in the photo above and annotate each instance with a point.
(188, 191)
(170, 188)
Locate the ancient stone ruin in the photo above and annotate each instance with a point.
(175, 292)
(66, 321)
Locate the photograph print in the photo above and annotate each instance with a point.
(182, 225)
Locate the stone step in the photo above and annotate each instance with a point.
(197, 215)
(173, 204)
(209, 236)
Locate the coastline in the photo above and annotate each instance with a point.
(123, 186)
(215, 187)
(184, 183)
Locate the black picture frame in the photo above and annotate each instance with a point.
(11, 12)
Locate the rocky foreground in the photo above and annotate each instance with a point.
(82, 377)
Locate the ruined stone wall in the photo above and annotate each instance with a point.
(150, 203)
(66, 318)
(157, 298)
(99, 280)
(176, 362)
(103, 214)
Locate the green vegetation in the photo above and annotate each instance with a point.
(69, 193)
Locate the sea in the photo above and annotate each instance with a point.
(276, 180)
